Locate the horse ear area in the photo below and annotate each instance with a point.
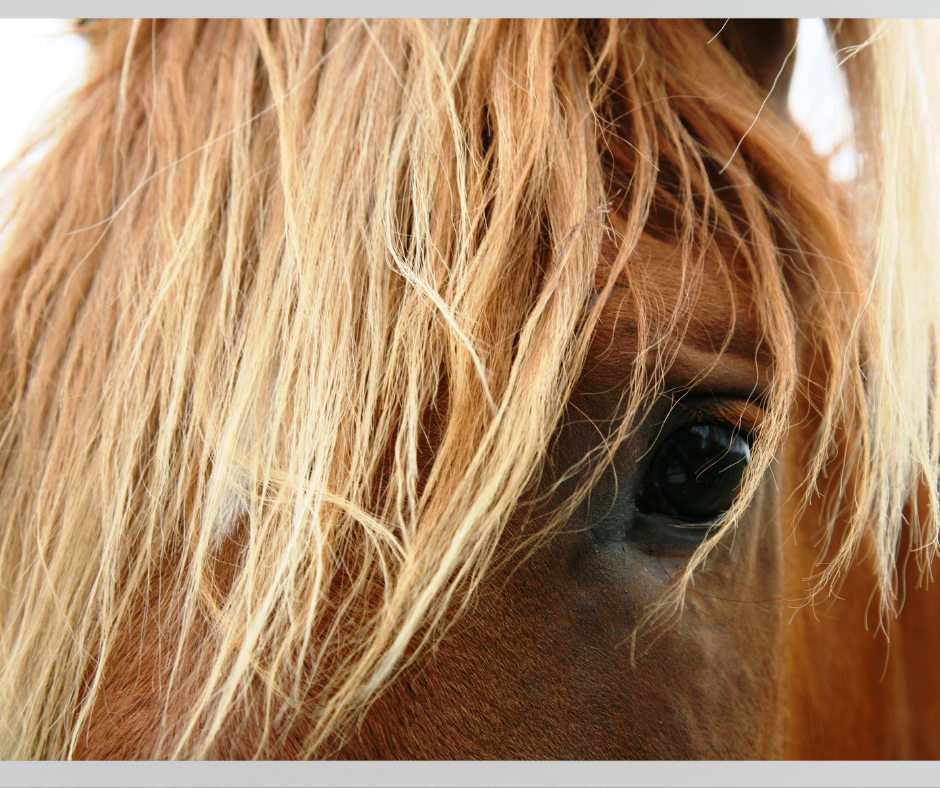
(761, 46)
(92, 30)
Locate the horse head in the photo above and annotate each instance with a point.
(501, 389)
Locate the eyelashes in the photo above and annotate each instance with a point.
(695, 473)
(691, 474)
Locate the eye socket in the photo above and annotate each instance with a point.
(695, 474)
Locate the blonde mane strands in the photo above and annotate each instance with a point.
(894, 81)
(325, 297)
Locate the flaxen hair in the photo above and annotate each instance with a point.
(322, 291)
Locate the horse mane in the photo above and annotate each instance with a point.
(295, 309)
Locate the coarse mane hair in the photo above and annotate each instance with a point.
(293, 311)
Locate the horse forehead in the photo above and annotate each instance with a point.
(715, 341)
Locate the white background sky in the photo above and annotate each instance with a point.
(40, 61)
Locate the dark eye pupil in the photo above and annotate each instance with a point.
(695, 473)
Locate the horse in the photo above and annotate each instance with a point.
(502, 389)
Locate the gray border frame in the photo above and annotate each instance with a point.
(470, 774)
(462, 774)
(516, 8)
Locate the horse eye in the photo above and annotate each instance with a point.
(695, 473)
